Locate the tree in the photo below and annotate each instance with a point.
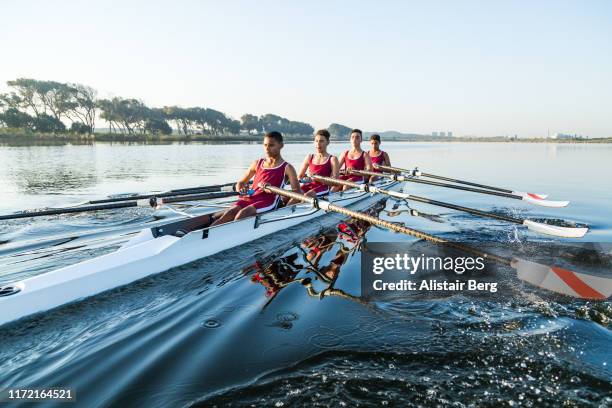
(271, 122)
(84, 107)
(233, 127)
(157, 126)
(14, 118)
(59, 100)
(11, 100)
(180, 116)
(128, 115)
(48, 123)
(250, 123)
(43, 97)
(79, 128)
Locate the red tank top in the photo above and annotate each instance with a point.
(380, 159)
(274, 176)
(355, 164)
(324, 169)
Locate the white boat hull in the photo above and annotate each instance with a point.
(151, 252)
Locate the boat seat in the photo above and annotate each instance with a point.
(183, 227)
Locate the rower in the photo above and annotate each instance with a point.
(377, 156)
(354, 159)
(320, 163)
(272, 169)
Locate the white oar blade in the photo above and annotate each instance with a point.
(565, 232)
(544, 203)
(563, 281)
(534, 195)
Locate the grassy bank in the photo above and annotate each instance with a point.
(22, 136)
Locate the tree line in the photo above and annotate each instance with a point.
(47, 106)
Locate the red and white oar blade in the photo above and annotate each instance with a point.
(544, 203)
(564, 232)
(563, 281)
(534, 195)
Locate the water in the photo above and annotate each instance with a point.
(270, 323)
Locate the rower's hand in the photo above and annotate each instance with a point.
(241, 188)
(305, 180)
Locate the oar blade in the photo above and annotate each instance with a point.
(563, 281)
(564, 232)
(537, 196)
(544, 203)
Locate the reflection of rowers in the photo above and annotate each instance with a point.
(278, 273)
(351, 232)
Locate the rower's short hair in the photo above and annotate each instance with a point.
(275, 135)
(324, 133)
(357, 131)
(376, 137)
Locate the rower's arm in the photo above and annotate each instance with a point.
(293, 179)
(242, 183)
(335, 164)
(368, 162)
(304, 167)
(342, 161)
(387, 159)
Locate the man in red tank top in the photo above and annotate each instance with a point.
(321, 163)
(272, 169)
(355, 158)
(377, 156)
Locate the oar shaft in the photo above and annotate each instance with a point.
(434, 176)
(434, 183)
(181, 191)
(339, 182)
(466, 209)
(374, 189)
(197, 197)
(467, 183)
(327, 206)
(152, 202)
(72, 210)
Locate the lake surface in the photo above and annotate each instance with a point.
(216, 331)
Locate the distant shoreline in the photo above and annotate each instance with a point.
(37, 138)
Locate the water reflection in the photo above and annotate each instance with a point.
(56, 178)
(315, 263)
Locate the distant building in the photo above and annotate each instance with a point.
(434, 134)
(450, 134)
(442, 134)
(565, 136)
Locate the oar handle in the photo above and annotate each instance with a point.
(397, 170)
(339, 182)
(183, 191)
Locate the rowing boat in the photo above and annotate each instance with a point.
(158, 249)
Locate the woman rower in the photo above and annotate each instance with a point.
(355, 159)
(272, 169)
(377, 156)
(320, 163)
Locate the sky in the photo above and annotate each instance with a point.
(476, 68)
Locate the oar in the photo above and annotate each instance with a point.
(181, 191)
(565, 232)
(417, 173)
(527, 198)
(549, 277)
(154, 202)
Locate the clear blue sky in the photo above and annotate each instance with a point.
(472, 67)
